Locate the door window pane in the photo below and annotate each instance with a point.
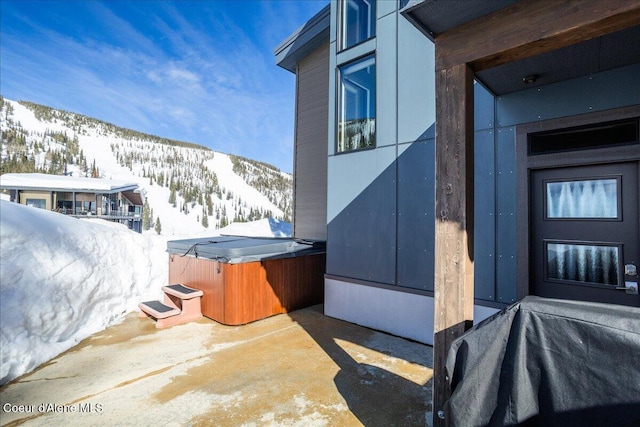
(357, 22)
(593, 198)
(357, 105)
(595, 264)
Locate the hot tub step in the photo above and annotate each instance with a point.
(181, 305)
(181, 291)
(158, 309)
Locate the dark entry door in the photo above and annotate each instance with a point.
(585, 233)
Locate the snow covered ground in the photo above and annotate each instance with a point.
(64, 279)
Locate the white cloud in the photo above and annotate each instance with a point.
(182, 75)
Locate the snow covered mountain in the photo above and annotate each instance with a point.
(191, 190)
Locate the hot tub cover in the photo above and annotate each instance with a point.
(544, 362)
(237, 250)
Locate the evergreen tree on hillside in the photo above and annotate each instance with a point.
(146, 216)
(172, 197)
(158, 226)
(95, 173)
(209, 204)
(223, 218)
(205, 218)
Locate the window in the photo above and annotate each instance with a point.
(37, 203)
(597, 263)
(357, 105)
(65, 206)
(357, 22)
(583, 199)
(611, 134)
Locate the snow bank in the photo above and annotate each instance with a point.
(63, 279)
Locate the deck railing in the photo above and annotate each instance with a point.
(114, 214)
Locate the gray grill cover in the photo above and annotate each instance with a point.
(544, 362)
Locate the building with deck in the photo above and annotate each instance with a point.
(117, 201)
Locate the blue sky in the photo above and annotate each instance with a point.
(197, 71)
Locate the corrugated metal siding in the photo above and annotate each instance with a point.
(310, 157)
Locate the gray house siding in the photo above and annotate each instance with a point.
(373, 222)
(310, 157)
(380, 201)
(380, 214)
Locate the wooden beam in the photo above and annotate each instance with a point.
(454, 219)
(532, 27)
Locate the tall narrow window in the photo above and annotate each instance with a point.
(357, 22)
(357, 105)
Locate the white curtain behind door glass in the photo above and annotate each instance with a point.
(596, 198)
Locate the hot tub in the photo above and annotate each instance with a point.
(245, 279)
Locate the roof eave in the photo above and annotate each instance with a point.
(304, 40)
(70, 190)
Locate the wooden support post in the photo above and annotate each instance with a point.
(454, 220)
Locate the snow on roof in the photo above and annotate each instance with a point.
(41, 181)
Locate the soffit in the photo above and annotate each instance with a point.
(614, 50)
(593, 56)
(433, 17)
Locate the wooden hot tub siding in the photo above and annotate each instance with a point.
(235, 294)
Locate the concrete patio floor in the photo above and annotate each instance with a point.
(299, 369)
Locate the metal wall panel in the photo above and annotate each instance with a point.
(505, 158)
(357, 51)
(310, 153)
(484, 216)
(602, 91)
(416, 85)
(484, 108)
(361, 237)
(416, 223)
(384, 8)
(349, 174)
(386, 100)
